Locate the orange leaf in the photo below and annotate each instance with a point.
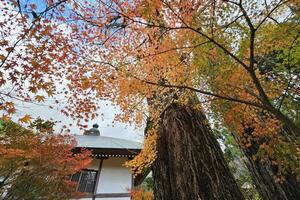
(25, 119)
(39, 98)
(5, 117)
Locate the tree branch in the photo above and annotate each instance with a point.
(177, 48)
(284, 94)
(37, 19)
(207, 37)
(257, 105)
(249, 68)
(281, 2)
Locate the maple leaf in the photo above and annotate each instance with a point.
(39, 98)
(3, 42)
(5, 117)
(2, 57)
(9, 49)
(35, 64)
(50, 93)
(26, 119)
(32, 89)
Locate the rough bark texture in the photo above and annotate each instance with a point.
(263, 175)
(264, 178)
(190, 164)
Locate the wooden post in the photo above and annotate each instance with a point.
(97, 179)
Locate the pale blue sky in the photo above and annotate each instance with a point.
(106, 125)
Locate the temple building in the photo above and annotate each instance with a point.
(106, 178)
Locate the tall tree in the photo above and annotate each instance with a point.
(190, 163)
(269, 147)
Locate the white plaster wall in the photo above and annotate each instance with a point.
(119, 198)
(114, 177)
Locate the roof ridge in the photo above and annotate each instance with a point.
(106, 142)
(109, 137)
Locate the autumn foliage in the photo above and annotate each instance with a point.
(141, 194)
(37, 162)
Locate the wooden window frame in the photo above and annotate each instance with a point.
(79, 181)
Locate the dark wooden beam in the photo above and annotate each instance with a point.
(97, 179)
(106, 195)
(110, 151)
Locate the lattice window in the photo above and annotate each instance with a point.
(86, 180)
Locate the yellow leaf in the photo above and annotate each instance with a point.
(25, 119)
(5, 117)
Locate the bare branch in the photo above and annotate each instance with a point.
(177, 48)
(228, 98)
(280, 3)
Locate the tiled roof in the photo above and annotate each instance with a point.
(103, 142)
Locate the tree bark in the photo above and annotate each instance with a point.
(190, 164)
(264, 174)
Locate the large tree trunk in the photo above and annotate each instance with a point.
(264, 175)
(190, 164)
